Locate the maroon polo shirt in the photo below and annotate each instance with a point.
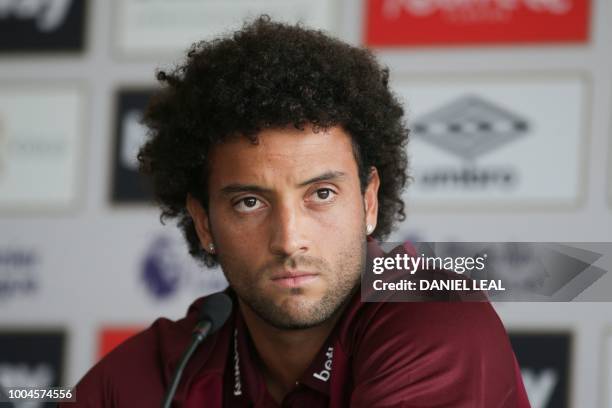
(394, 354)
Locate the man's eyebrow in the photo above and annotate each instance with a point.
(244, 188)
(327, 176)
(253, 188)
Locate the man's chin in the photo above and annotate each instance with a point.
(295, 322)
(294, 314)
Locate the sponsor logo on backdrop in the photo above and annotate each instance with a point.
(19, 272)
(154, 27)
(32, 359)
(134, 135)
(437, 22)
(111, 337)
(544, 359)
(502, 141)
(469, 127)
(42, 25)
(129, 186)
(39, 140)
(167, 270)
(31, 146)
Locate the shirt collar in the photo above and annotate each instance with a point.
(248, 379)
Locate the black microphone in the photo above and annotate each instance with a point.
(214, 312)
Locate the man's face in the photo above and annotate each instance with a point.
(288, 221)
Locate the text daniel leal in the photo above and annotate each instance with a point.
(442, 284)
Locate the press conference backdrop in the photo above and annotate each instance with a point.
(84, 261)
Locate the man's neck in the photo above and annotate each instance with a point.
(282, 370)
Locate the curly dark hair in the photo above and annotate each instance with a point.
(271, 75)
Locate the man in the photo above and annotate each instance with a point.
(281, 152)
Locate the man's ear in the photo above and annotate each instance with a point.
(370, 198)
(200, 219)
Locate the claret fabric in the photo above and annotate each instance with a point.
(386, 354)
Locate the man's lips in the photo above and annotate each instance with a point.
(294, 279)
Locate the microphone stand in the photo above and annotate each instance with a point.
(199, 334)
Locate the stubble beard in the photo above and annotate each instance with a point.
(304, 314)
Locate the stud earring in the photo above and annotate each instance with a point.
(211, 248)
(369, 229)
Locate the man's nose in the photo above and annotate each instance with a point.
(288, 230)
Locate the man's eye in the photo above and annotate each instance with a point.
(248, 204)
(324, 194)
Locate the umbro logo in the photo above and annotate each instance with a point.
(470, 127)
